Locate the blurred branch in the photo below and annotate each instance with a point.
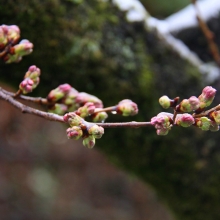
(209, 35)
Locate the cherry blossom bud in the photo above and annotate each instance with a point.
(3, 38)
(96, 131)
(73, 119)
(83, 98)
(162, 121)
(204, 123)
(25, 47)
(70, 98)
(86, 110)
(12, 32)
(74, 132)
(188, 105)
(26, 86)
(163, 132)
(207, 96)
(89, 142)
(58, 108)
(33, 72)
(165, 101)
(127, 108)
(184, 120)
(99, 116)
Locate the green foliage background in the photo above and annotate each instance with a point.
(90, 45)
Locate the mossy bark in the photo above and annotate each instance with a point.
(90, 45)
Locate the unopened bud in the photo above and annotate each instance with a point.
(73, 119)
(26, 86)
(204, 123)
(74, 132)
(207, 96)
(70, 98)
(86, 110)
(25, 47)
(162, 121)
(12, 32)
(3, 38)
(99, 116)
(96, 131)
(184, 120)
(163, 132)
(165, 101)
(127, 108)
(58, 108)
(89, 142)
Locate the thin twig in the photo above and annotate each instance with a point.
(206, 113)
(37, 100)
(132, 124)
(107, 109)
(29, 110)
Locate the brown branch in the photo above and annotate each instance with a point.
(132, 124)
(209, 35)
(206, 113)
(37, 100)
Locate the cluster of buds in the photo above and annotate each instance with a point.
(10, 50)
(31, 80)
(65, 99)
(79, 128)
(206, 121)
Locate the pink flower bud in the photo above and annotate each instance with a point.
(204, 123)
(70, 99)
(25, 47)
(188, 105)
(162, 121)
(73, 119)
(207, 96)
(184, 120)
(194, 102)
(163, 132)
(26, 86)
(127, 108)
(12, 32)
(96, 131)
(89, 142)
(86, 110)
(99, 116)
(3, 39)
(74, 132)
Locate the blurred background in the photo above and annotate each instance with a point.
(131, 174)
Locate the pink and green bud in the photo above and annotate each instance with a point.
(207, 96)
(96, 131)
(74, 132)
(3, 39)
(24, 48)
(215, 115)
(82, 98)
(26, 86)
(127, 108)
(99, 116)
(185, 120)
(73, 119)
(70, 98)
(162, 121)
(86, 110)
(163, 132)
(12, 32)
(165, 101)
(89, 142)
(58, 108)
(188, 105)
(33, 72)
(203, 123)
